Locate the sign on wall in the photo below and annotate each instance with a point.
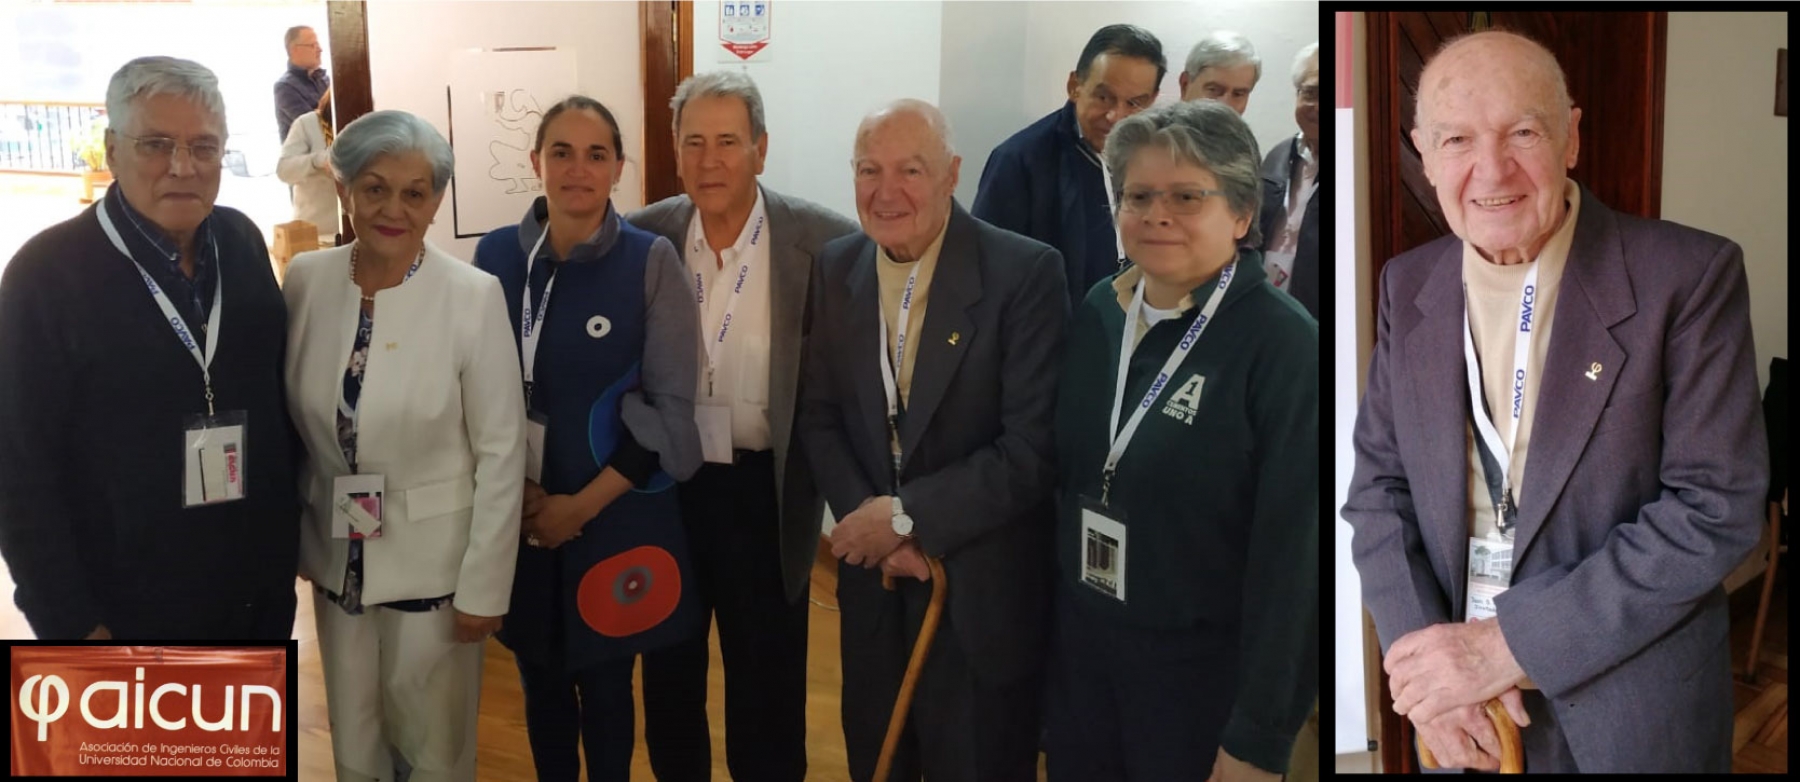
(743, 31)
(149, 711)
(497, 98)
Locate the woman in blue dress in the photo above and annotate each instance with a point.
(608, 334)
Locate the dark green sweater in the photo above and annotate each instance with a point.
(1220, 497)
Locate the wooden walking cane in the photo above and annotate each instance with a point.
(921, 650)
(1512, 754)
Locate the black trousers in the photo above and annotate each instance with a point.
(1136, 704)
(262, 615)
(732, 522)
(962, 727)
(592, 704)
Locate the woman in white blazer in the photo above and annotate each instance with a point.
(404, 384)
(306, 164)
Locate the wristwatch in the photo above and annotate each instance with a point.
(903, 525)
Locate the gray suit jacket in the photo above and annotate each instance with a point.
(797, 230)
(1644, 487)
(976, 440)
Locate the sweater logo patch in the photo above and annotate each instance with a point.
(1186, 400)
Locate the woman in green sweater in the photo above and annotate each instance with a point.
(1188, 514)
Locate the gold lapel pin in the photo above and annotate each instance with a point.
(954, 336)
(1593, 372)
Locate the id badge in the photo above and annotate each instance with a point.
(356, 506)
(213, 456)
(1102, 549)
(1490, 573)
(715, 432)
(536, 425)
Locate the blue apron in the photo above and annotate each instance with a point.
(624, 585)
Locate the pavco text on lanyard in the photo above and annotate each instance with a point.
(168, 307)
(1128, 343)
(1496, 457)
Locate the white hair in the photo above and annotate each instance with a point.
(934, 118)
(722, 84)
(390, 132)
(147, 76)
(1223, 49)
(1309, 54)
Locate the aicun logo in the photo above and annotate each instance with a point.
(1525, 309)
(43, 687)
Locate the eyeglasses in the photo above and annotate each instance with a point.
(1180, 202)
(1309, 94)
(162, 149)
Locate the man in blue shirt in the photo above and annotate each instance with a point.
(1047, 181)
(303, 83)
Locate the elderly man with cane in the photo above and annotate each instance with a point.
(926, 405)
(1614, 352)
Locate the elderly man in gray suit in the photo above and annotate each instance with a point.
(926, 413)
(752, 513)
(1614, 352)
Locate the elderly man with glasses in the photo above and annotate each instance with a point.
(147, 488)
(1290, 209)
(304, 83)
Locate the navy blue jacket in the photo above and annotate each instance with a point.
(1041, 184)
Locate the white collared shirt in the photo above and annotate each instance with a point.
(742, 378)
(1278, 260)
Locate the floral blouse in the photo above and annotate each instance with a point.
(350, 599)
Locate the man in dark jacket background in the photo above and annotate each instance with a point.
(1047, 182)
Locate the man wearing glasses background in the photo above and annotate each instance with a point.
(1047, 181)
(147, 489)
(303, 83)
(1290, 212)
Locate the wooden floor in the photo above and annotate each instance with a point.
(1759, 734)
(503, 755)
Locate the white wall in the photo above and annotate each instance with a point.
(410, 46)
(828, 64)
(993, 67)
(1725, 153)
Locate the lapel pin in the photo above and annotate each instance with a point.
(954, 336)
(1593, 372)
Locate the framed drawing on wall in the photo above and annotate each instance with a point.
(496, 98)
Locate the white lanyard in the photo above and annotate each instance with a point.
(890, 371)
(1112, 203)
(713, 347)
(1521, 356)
(168, 307)
(1128, 343)
(530, 327)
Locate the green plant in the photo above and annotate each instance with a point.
(91, 148)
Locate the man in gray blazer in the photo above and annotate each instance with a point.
(926, 413)
(751, 512)
(1616, 352)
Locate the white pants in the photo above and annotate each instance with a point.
(399, 691)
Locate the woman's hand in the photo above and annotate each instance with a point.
(475, 629)
(555, 519)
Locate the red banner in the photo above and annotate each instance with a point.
(149, 711)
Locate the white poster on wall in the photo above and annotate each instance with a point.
(496, 99)
(1351, 718)
(744, 31)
